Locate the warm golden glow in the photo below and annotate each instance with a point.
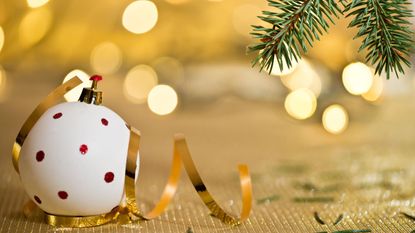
(375, 91)
(300, 104)
(285, 70)
(34, 26)
(335, 119)
(140, 16)
(304, 76)
(357, 78)
(177, 1)
(169, 70)
(1, 38)
(139, 82)
(106, 58)
(244, 16)
(74, 94)
(162, 100)
(36, 3)
(2, 83)
(331, 49)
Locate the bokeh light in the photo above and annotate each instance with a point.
(74, 94)
(36, 3)
(303, 76)
(357, 78)
(301, 104)
(139, 82)
(162, 99)
(375, 91)
(140, 16)
(335, 119)
(1, 38)
(34, 26)
(285, 70)
(106, 58)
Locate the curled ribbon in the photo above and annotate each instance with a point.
(129, 212)
(52, 99)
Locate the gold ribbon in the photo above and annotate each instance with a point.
(128, 212)
(51, 100)
(204, 194)
(181, 155)
(84, 221)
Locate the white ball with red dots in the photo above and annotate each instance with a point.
(73, 160)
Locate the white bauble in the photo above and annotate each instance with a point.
(73, 160)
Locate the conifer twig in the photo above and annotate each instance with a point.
(384, 27)
(295, 24)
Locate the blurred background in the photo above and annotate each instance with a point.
(181, 66)
(170, 56)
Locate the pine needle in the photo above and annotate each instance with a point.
(296, 24)
(385, 30)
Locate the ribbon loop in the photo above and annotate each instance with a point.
(205, 195)
(51, 100)
(129, 212)
(181, 155)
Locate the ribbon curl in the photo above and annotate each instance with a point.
(128, 211)
(51, 100)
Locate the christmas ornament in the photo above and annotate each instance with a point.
(72, 158)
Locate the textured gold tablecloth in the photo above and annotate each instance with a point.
(302, 176)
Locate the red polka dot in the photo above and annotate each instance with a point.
(63, 195)
(57, 115)
(83, 149)
(109, 177)
(37, 199)
(40, 155)
(104, 121)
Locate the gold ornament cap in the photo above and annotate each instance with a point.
(91, 95)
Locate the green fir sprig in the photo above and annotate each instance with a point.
(382, 24)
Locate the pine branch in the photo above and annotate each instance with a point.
(383, 25)
(298, 23)
(385, 30)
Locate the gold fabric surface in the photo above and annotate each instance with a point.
(304, 180)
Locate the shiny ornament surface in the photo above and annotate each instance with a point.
(73, 160)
